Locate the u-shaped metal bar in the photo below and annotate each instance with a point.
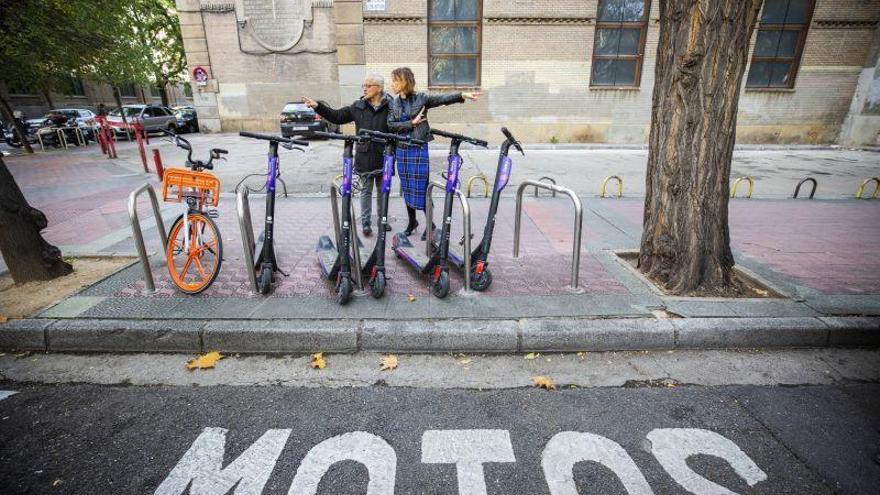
(605, 185)
(245, 225)
(466, 226)
(139, 235)
(736, 184)
(797, 189)
(865, 183)
(578, 226)
(482, 178)
(546, 179)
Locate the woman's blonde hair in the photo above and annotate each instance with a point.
(405, 74)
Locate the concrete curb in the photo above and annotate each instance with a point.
(452, 335)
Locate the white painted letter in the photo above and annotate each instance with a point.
(365, 448)
(202, 464)
(468, 450)
(568, 448)
(672, 447)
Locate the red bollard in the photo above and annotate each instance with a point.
(139, 137)
(157, 160)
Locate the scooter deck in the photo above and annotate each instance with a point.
(456, 252)
(404, 249)
(328, 254)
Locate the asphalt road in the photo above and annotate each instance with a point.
(107, 439)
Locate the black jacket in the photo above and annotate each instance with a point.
(412, 105)
(364, 116)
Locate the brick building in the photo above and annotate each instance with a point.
(551, 70)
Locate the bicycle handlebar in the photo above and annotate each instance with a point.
(459, 137)
(270, 137)
(184, 144)
(393, 137)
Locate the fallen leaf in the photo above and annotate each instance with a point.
(544, 382)
(22, 355)
(318, 361)
(388, 363)
(56, 483)
(412, 298)
(581, 355)
(205, 361)
(464, 361)
(761, 292)
(530, 356)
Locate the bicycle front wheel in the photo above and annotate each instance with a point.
(194, 255)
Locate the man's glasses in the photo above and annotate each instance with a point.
(365, 86)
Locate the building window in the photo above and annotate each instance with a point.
(454, 42)
(780, 43)
(619, 46)
(127, 91)
(75, 87)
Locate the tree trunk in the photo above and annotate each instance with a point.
(9, 117)
(28, 256)
(118, 98)
(163, 90)
(48, 97)
(701, 58)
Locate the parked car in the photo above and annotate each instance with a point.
(299, 120)
(187, 119)
(153, 117)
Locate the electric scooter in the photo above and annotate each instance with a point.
(267, 264)
(481, 277)
(438, 264)
(374, 267)
(336, 263)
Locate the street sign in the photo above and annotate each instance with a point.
(200, 75)
(374, 5)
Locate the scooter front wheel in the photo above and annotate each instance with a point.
(343, 291)
(377, 285)
(481, 281)
(440, 287)
(265, 282)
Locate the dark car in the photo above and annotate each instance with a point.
(299, 120)
(187, 119)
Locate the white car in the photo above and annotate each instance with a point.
(83, 116)
(153, 117)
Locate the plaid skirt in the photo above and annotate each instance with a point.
(413, 168)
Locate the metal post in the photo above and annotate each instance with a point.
(466, 226)
(578, 226)
(139, 235)
(157, 160)
(243, 208)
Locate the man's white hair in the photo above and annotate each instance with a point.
(376, 79)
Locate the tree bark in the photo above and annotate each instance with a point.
(163, 89)
(28, 256)
(48, 97)
(8, 116)
(118, 98)
(701, 58)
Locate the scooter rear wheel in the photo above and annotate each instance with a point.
(343, 291)
(265, 282)
(481, 281)
(377, 285)
(440, 287)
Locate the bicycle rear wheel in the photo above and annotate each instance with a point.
(195, 269)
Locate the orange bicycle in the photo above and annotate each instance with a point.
(195, 248)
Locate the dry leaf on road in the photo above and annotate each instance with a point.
(205, 361)
(412, 298)
(530, 356)
(388, 363)
(318, 361)
(544, 382)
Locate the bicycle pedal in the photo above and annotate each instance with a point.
(213, 213)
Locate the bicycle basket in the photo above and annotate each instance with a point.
(179, 183)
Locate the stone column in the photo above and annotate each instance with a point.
(195, 44)
(862, 125)
(350, 48)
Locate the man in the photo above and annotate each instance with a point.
(369, 112)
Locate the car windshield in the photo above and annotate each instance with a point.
(129, 111)
(184, 114)
(297, 107)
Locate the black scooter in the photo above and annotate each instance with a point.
(481, 277)
(374, 268)
(438, 264)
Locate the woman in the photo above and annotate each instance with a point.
(408, 115)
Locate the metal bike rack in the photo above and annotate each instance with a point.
(619, 185)
(797, 189)
(482, 178)
(243, 209)
(466, 225)
(865, 183)
(736, 184)
(546, 179)
(139, 235)
(578, 226)
(335, 192)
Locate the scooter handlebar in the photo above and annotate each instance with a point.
(512, 140)
(392, 137)
(460, 137)
(270, 137)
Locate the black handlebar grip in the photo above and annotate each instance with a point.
(220, 151)
(299, 142)
(508, 135)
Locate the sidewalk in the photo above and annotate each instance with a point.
(821, 255)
